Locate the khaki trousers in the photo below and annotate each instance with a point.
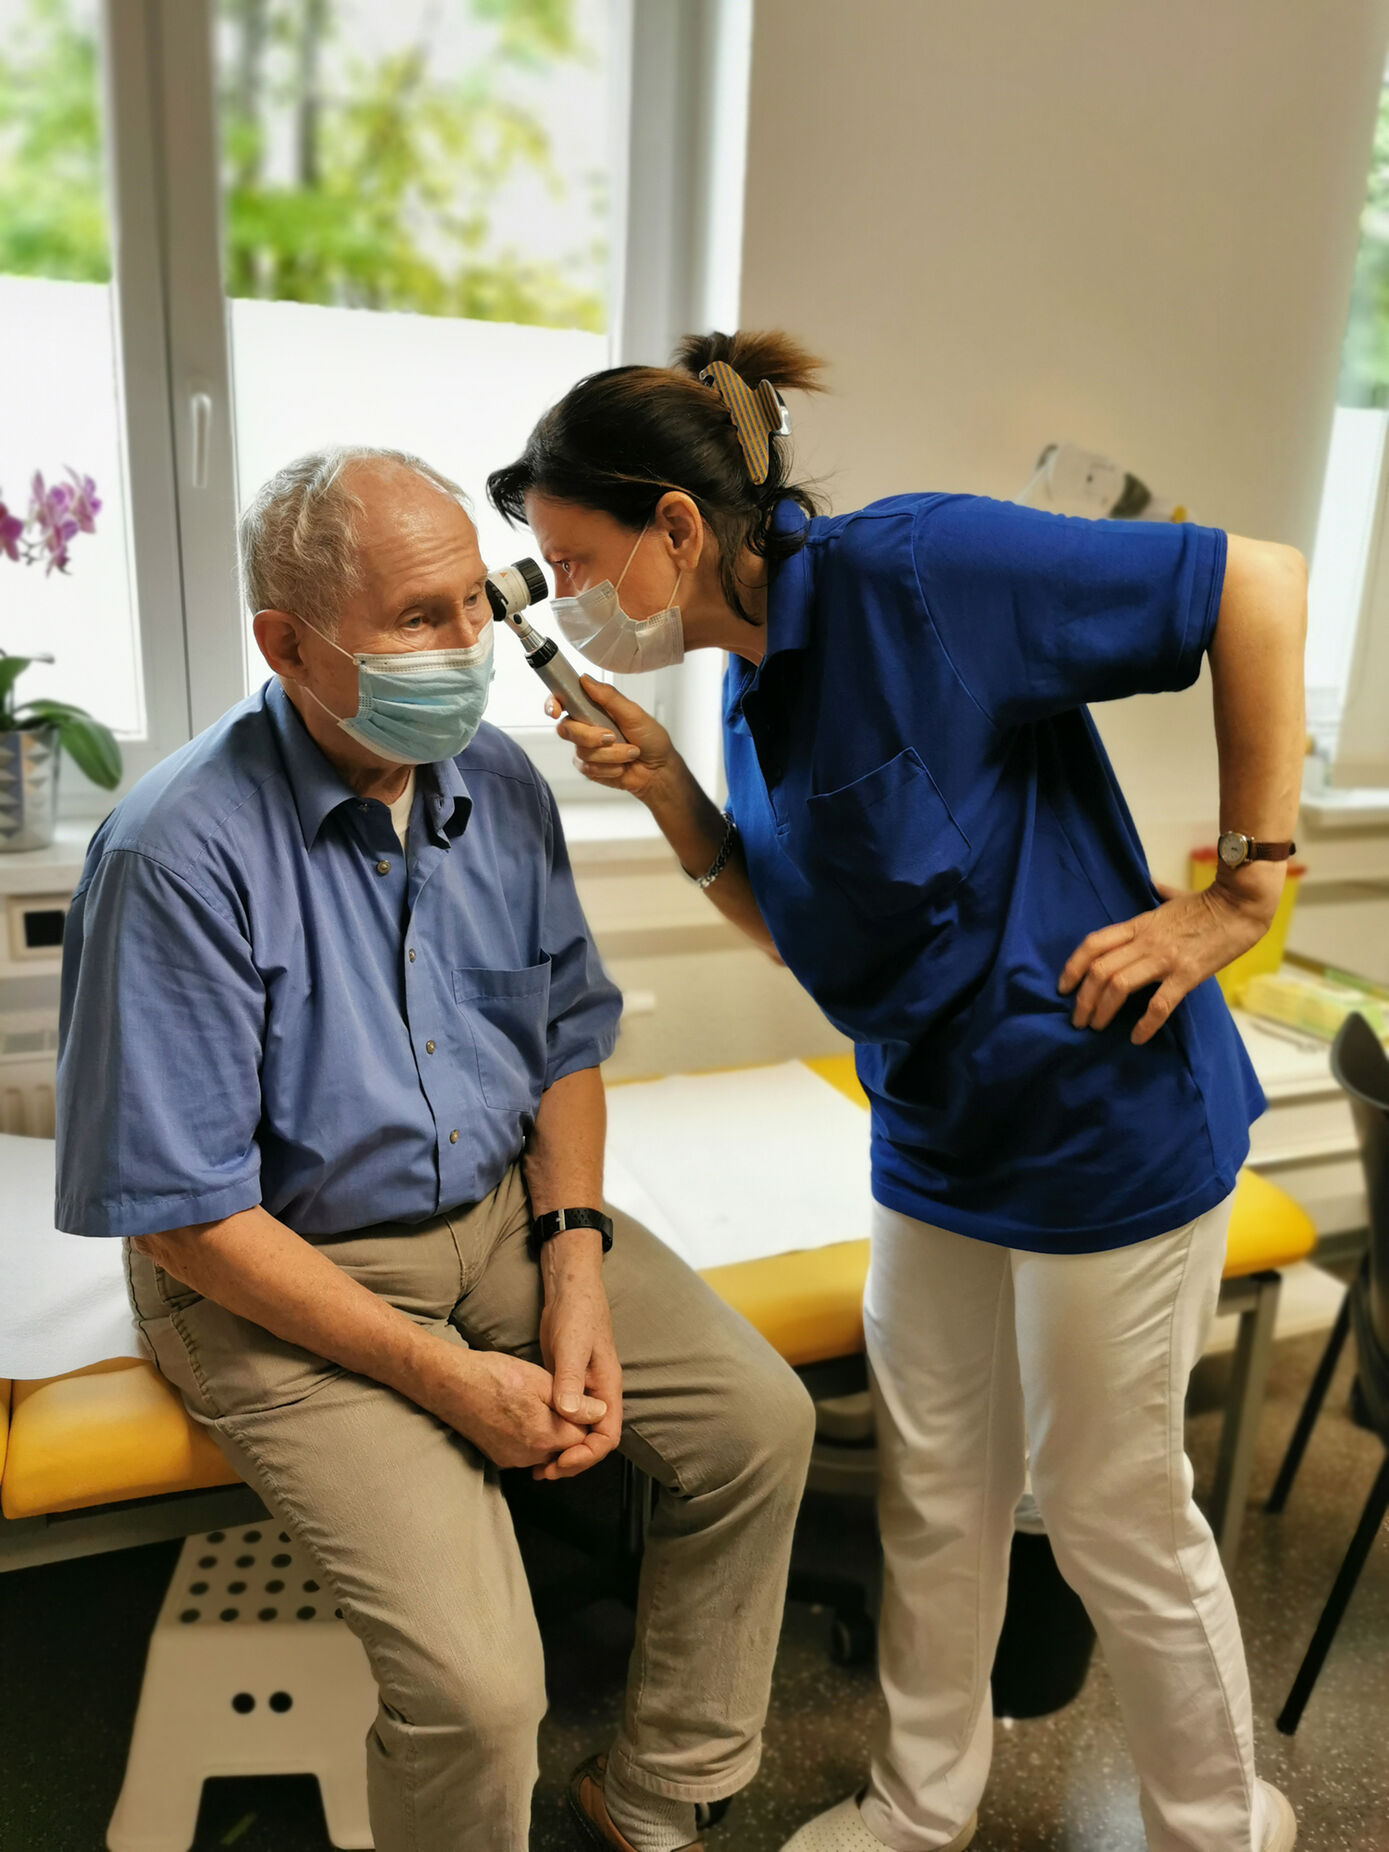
(407, 1525)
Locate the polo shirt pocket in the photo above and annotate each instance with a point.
(888, 839)
(508, 1017)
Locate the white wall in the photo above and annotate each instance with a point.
(1128, 225)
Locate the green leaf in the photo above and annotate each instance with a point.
(93, 748)
(11, 668)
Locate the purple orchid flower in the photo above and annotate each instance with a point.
(11, 531)
(50, 512)
(57, 514)
(86, 503)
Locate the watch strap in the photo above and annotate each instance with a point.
(558, 1221)
(1234, 849)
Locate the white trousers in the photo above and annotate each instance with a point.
(978, 1355)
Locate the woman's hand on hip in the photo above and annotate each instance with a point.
(632, 763)
(1176, 946)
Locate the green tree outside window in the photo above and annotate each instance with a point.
(388, 199)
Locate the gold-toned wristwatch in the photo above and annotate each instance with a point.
(1235, 850)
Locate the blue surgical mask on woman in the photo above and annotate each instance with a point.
(416, 707)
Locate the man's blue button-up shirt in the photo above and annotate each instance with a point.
(265, 1001)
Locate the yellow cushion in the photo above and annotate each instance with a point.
(4, 1422)
(1267, 1228)
(808, 1306)
(114, 1431)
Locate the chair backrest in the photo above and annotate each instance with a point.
(1361, 1068)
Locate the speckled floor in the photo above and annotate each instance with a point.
(72, 1638)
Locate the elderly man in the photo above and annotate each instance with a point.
(332, 1024)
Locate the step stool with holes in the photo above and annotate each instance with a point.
(251, 1671)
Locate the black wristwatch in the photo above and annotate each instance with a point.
(545, 1227)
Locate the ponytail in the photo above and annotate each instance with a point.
(621, 439)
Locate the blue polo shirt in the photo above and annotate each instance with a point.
(931, 828)
(264, 1001)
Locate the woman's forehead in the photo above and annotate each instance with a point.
(560, 526)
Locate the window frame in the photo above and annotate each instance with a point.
(679, 133)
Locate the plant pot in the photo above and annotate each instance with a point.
(28, 788)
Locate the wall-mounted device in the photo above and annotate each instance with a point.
(511, 591)
(33, 929)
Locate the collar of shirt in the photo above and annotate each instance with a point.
(790, 595)
(319, 789)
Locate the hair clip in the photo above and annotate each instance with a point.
(758, 415)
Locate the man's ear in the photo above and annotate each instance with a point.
(677, 516)
(277, 635)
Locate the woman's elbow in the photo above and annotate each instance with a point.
(1267, 580)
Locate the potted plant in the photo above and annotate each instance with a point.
(34, 734)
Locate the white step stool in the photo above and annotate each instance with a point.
(251, 1671)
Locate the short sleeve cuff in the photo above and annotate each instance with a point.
(129, 1216)
(1203, 607)
(593, 1051)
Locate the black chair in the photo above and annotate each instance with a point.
(1361, 1068)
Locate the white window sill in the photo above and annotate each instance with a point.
(1346, 810)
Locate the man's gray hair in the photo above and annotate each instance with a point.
(298, 533)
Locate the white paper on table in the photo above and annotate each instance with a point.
(738, 1166)
(63, 1304)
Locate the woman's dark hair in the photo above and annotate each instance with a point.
(621, 439)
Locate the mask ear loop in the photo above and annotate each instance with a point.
(679, 576)
(340, 718)
(630, 557)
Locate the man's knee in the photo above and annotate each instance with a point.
(491, 1694)
(773, 1419)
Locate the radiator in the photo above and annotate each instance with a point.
(28, 1056)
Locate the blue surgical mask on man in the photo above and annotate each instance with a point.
(415, 707)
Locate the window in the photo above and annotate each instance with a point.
(415, 236)
(58, 340)
(378, 221)
(1348, 630)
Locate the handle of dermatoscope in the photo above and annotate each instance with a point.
(560, 677)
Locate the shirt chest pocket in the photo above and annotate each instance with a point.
(888, 839)
(507, 1015)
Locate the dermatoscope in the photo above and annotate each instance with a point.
(510, 591)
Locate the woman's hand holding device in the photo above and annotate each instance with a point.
(636, 757)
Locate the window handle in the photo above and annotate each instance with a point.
(200, 415)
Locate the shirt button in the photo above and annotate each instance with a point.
(411, 956)
(429, 1048)
(383, 868)
(453, 1138)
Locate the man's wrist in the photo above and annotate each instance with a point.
(574, 1254)
(424, 1366)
